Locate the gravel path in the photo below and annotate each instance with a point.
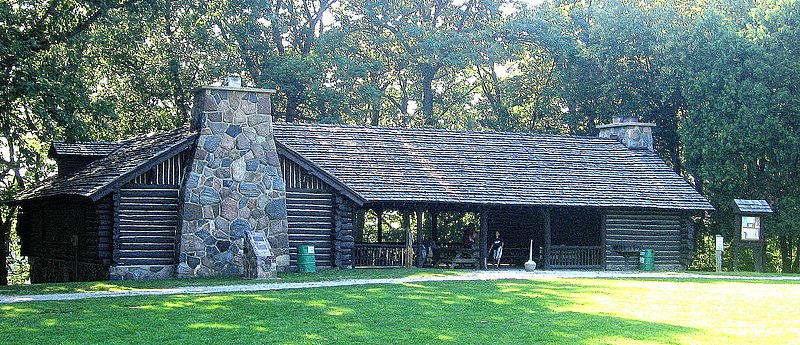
(472, 276)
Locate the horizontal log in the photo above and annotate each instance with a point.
(147, 246)
(132, 212)
(146, 239)
(311, 212)
(149, 217)
(309, 194)
(299, 203)
(319, 247)
(141, 227)
(311, 225)
(128, 202)
(169, 234)
(146, 254)
(317, 250)
(310, 231)
(149, 192)
(309, 238)
(138, 261)
(157, 207)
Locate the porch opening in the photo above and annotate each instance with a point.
(562, 237)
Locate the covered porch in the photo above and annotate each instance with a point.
(433, 235)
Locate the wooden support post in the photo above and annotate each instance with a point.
(484, 236)
(760, 250)
(358, 226)
(736, 241)
(548, 237)
(420, 238)
(409, 247)
(758, 256)
(379, 213)
(434, 216)
(603, 255)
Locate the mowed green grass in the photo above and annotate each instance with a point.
(557, 311)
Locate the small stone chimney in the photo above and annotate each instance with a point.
(235, 193)
(628, 130)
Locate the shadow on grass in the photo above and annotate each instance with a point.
(283, 277)
(442, 312)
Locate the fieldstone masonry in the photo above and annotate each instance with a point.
(235, 185)
(628, 130)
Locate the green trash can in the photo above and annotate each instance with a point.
(647, 260)
(305, 259)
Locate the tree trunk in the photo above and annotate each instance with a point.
(786, 252)
(376, 114)
(178, 92)
(797, 256)
(291, 108)
(5, 225)
(428, 73)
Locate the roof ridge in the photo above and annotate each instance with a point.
(86, 142)
(443, 130)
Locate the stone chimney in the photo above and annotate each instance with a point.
(628, 130)
(235, 190)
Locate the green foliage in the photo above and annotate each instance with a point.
(717, 77)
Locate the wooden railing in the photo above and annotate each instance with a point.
(379, 255)
(576, 257)
(393, 255)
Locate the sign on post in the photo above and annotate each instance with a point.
(750, 229)
(720, 244)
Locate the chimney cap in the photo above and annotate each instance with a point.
(233, 81)
(625, 119)
(617, 124)
(229, 88)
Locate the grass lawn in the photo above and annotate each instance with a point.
(287, 277)
(557, 311)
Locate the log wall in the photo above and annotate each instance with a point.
(318, 216)
(660, 231)
(148, 224)
(343, 242)
(311, 215)
(61, 238)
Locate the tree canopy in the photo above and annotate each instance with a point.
(717, 77)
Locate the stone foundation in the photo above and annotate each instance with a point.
(235, 184)
(141, 272)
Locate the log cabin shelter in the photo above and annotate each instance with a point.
(584, 202)
(178, 203)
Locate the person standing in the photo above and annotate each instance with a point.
(496, 250)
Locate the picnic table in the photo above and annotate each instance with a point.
(453, 256)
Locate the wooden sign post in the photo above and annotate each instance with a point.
(720, 246)
(749, 230)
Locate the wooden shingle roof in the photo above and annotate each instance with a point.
(440, 166)
(86, 149)
(131, 158)
(752, 206)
